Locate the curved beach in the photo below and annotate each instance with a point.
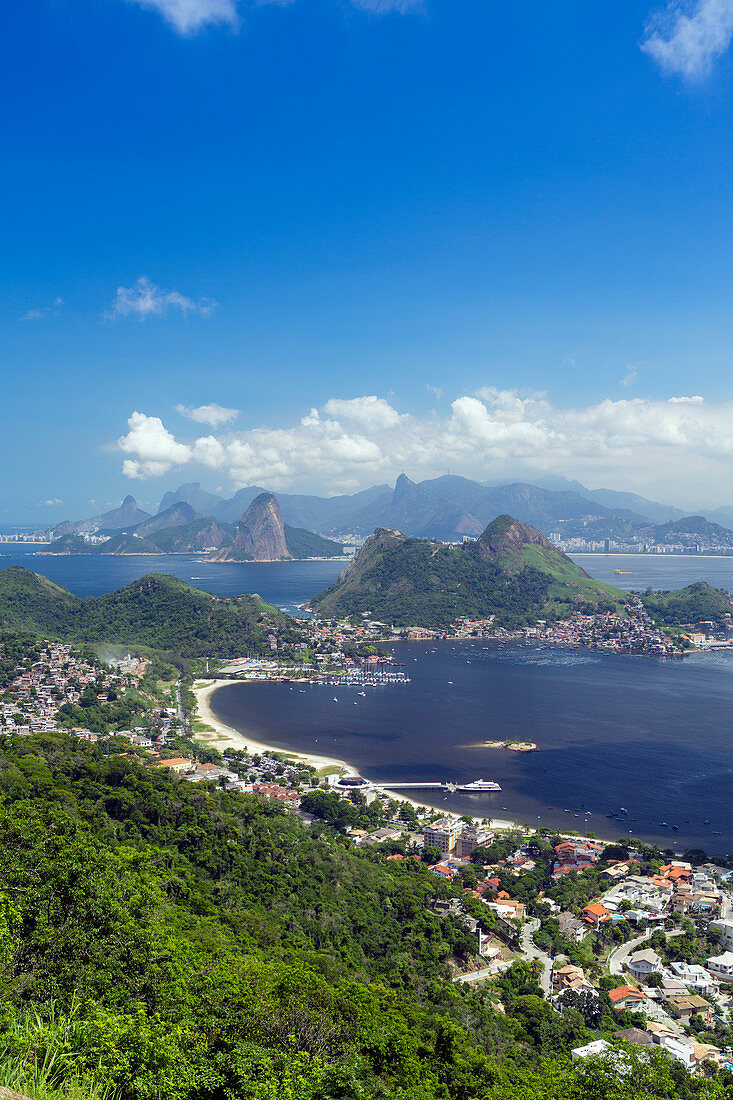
(226, 737)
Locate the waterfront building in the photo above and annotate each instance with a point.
(442, 834)
(473, 836)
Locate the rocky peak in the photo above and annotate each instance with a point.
(260, 534)
(403, 488)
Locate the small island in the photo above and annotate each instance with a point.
(513, 746)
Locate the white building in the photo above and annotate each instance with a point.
(721, 966)
(677, 1048)
(644, 963)
(599, 1046)
(725, 927)
(694, 977)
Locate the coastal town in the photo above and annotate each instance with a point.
(636, 940)
(606, 631)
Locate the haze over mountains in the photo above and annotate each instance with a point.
(447, 508)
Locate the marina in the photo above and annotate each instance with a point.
(617, 733)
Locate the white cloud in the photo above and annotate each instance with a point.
(189, 16)
(686, 38)
(630, 377)
(155, 449)
(144, 300)
(213, 415)
(370, 412)
(638, 443)
(52, 501)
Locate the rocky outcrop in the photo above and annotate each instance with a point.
(507, 539)
(127, 515)
(260, 534)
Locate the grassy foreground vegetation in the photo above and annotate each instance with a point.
(164, 941)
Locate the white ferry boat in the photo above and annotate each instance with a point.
(479, 785)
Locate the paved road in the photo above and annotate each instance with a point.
(531, 951)
(619, 955)
(485, 972)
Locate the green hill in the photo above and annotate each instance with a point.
(511, 571)
(699, 602)
(161, 941)
(69, 544)
(159, 612)
(127, 544)
(305, 544)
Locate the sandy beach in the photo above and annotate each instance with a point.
(225, 737)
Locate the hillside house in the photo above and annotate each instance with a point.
(625, 996)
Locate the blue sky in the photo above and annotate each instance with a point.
(488, 238)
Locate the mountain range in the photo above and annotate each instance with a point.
(448, 508)
(260, 535)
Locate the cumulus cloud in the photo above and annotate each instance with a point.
(52, 501)
(189, 16)
(213, 415)
(369, 412)
(144, 300)
(636, 443)
(155, 449)
(686, 38)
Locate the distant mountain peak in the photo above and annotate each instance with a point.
(260, 534)
(403, 487)
(508, 539)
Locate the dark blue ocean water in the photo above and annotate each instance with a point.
(650, 735)
(288, 584)
(285, 584)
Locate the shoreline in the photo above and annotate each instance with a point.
(225, 735)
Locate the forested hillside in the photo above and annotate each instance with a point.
(155, 611)
(160, 941)
(511, 572)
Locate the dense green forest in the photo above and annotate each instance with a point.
(306, 544)
(158, 612)
(510, 572)
(162, 941)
